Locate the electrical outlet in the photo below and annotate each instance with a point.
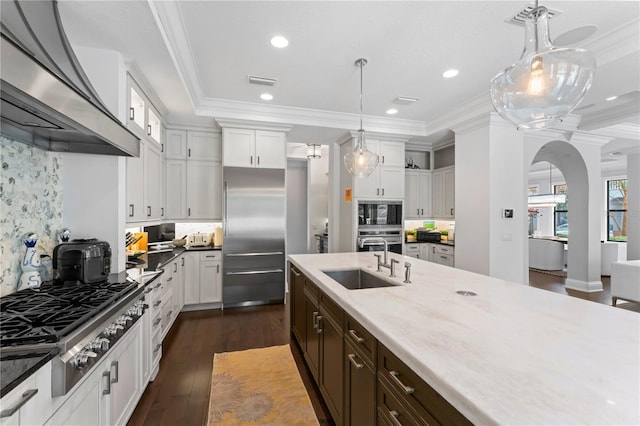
(507, 213)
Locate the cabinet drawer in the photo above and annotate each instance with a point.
(419, 395)
(156, 347)
(311, 289)
(210, 255)
(391, 411)
(444, 249)
(360, 338)
(328, 306)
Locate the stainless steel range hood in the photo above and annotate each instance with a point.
(47, 100)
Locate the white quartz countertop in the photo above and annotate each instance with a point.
(512, 354)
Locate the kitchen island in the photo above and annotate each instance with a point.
(510, 354)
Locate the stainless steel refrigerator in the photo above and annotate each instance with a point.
(253, 246)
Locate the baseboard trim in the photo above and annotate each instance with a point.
(584, 286)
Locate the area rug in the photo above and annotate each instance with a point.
(258, 387)
(556, 273)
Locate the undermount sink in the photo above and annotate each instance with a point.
(357, 279)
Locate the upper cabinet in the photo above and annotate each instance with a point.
(387, 180)
(418, 189)
(254, 148)
(145, 197)
(193, 175)
(443, 191)
(144, 120)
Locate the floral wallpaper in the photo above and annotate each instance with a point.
(30, 202)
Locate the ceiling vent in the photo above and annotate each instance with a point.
(263, 81)
(521, 16)
(405, 100)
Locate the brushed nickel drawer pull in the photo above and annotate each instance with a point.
(315, 320)
(356, 364)
(26, 396)
(319, 330)
(114, 377)
(156, 303)
(355, 336)
(394, 416)
(156, 322)
(407, 389)
(107, 375)
(158, 346)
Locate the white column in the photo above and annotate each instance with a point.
(633, 207)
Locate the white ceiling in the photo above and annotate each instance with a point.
(198, 54)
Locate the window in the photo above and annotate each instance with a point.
(617, 210)
(561, 213)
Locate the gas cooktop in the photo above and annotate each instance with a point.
(49, 313)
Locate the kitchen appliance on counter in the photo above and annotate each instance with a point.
(198, 239)
(82, 321)
(428, 236)
(254, 211)
(382, 219)
(86, 261)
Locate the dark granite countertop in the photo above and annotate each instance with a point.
(443, 243)
(16, 367)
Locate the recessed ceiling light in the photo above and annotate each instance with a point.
(279, 42)
(266, 96)
(450, 73)
(610, 98)
(392, 111)
(615, 153)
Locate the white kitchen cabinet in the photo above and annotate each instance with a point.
(203, 282)
(253, 148)
(144, 184)
(428, 251)
(88, 405)
(124, 366)
(176, 189)
(152, 166)
(443, 184)
(19, 406)
(204, 190)
(177, 275)
(175, 144)
(135, 187)
(388, 180)
(417, 194)
(444, 255)
(193, 175)
(412, 250)
(136, 120)
(203, 146)
(210, 277)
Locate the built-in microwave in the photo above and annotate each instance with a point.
(380, 213)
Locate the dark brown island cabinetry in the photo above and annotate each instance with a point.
(362, 382)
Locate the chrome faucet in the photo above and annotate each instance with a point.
(361, 243)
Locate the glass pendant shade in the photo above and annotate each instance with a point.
(547, 83)
(361, 162)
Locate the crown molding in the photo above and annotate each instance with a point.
(169, 21)
(617, 43)
(620, 131)
(193, 127)
(609, 116)
(475, 108)
(308, 117)
(590, 139)
(252, 124)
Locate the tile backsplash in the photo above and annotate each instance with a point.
(30, 202)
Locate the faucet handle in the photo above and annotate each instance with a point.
(393, 267)
(378, 256)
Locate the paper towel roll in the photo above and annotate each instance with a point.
(217, 237)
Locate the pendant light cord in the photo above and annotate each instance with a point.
(361, 65)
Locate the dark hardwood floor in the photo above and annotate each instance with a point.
(180, 393)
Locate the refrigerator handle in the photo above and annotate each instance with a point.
(224, 207)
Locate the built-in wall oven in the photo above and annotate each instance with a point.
(382, 219)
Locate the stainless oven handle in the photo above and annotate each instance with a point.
(26, 396)
(270, 271)
(225, 223)
(114, 378)
(266, 253)
(107, 374)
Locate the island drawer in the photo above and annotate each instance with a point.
(444, 249)
(418, 394)
(328, 306)
(392, 412)
(360, 338)
(311, 289)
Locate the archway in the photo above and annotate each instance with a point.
(583, 256)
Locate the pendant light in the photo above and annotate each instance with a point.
(313, 151)
(547, 200)
(361, 162)
(547, 83)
